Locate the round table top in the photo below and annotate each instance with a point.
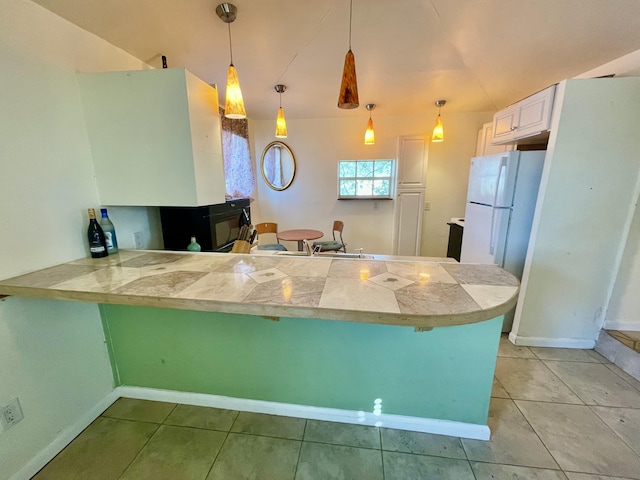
(299, 234)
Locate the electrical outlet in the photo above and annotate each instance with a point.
(376, 205)
(427, 206)
(11, 414)
(138, 240)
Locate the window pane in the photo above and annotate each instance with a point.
(364, 187)
(365, 169)
(347, 187)
(383, 168)
(347, 169)
(381, 187)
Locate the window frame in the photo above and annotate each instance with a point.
(390, 178)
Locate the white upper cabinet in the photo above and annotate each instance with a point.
(484, 146)
(155, 137)
(412, 161)
(526, 118)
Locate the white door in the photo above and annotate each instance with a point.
(492, 179)
(408, 222)
(484, 237)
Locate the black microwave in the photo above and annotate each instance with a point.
(215, 227)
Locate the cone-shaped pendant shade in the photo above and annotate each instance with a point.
(438, 132)
(281, 125)
(233, 105)
(349, 88)
(369, 134)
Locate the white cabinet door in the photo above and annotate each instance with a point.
(408, 222)
(412, 161)
(526, 118)
(155, 137)
(485, 137)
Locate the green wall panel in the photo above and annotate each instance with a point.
(446, 373)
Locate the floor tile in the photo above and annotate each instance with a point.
(579, 440)
(319, 461)
(176, 452)
(422, 443)
(102, 451)
(508, 349)
(489, 471)
(269, 425)
(513, 441)
(342, 434)
(202, 417)
(498, 390)
(587, 476)
(634, 382)
(568, 354)
(404, 466)
(624, 421)
(622, 338)
(250, 457)
(631, 334)
(530, 379)
(142, 410)
(595, 384)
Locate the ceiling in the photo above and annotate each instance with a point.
(479, 55)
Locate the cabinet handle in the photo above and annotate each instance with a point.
(514, 128)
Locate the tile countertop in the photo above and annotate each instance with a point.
(420, 292)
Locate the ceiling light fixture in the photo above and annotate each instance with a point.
(369, 135)
(233, 105)
(281, 123)
(348, 97)
(438, 132)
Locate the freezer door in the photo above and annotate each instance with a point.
(485, 232)
(492, 179)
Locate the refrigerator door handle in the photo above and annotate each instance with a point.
(492, 246)
(503, 166)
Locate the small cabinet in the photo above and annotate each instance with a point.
(155, 137)
(526, 118)
(484, 146)
(412, 161)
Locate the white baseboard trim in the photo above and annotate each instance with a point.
(551, 342)
(66, 436)
(629, 325)
(400, 422)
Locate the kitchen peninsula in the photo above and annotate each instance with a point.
(406, 344)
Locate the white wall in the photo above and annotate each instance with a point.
(318, 144)
(52, 354)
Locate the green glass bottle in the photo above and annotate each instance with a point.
(194, 246)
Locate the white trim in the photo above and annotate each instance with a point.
(400, 422)
(551, 342)
(629, 325)
(45, 455)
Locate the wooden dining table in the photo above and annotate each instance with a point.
(298, 235)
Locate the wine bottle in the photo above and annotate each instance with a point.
(194, 246)
(97, 241)
(109, 232)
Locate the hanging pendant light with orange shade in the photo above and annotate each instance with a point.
(233, 105)
(369, 134)
(438, 130)
(281, 123)
(348, 97)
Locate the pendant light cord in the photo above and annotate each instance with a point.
(350, 16)
(230, 50)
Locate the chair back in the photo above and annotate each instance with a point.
(267, 227)
(338, 226)
(264, 229)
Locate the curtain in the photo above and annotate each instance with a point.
(238, 167)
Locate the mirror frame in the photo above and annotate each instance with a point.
(293, 167)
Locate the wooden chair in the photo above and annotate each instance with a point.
(268, 228)
(333, 245)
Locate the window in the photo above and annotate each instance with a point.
(365, 178)
(238, 167)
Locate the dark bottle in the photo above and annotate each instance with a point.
(97, 241)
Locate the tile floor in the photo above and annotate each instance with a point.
(555, 414)
(630, 339)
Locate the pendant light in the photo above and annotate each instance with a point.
(369, 135)
(233, 105)
(281, 123)
(348, 97)
(438, 132)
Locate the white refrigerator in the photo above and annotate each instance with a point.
(501, 200)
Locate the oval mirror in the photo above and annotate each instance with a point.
(278, 165)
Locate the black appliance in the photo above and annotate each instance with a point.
(215, 227)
